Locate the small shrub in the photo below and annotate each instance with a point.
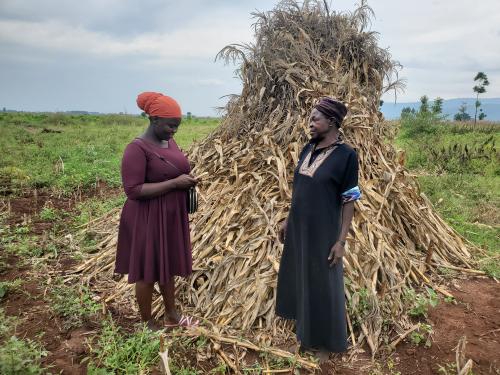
(418, 124)
(14, 176)
(24, 246)
(491, 266)
(360, 304)
(6, 324)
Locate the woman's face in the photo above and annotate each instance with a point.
(319, 125)
(165, 128)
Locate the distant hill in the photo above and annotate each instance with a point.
(490, 106)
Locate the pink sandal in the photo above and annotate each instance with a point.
(185, 321)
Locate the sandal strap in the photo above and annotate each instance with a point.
(188, 321)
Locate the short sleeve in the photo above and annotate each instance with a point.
(133, 170)
(349, 187)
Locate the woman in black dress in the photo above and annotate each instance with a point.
(310, 280)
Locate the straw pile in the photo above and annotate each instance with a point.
(301, 52)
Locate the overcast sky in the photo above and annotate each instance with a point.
(97, 55)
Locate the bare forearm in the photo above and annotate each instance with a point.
(154, 189)
(347, 215)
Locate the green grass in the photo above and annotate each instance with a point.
(117, 352)
(73, 303)
(9, 287)
(21, 357)
(458, 168)
(96, 207)
(17, 356)
(67, 152)
(18, 240)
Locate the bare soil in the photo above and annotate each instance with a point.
(476, 313)
(67, 348)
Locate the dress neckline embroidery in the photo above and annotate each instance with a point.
(309, 170)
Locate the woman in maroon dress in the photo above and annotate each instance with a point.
(153, 238)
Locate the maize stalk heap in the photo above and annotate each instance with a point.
(301, 53)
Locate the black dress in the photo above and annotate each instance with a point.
(309, 291)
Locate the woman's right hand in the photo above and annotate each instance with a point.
(282, 232)
(185, 181)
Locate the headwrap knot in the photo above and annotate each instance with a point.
(155, 104)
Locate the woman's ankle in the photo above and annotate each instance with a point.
(172, 315)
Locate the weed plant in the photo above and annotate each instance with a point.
(119, 353)
(17, 356)
(419, 303)
(73, 303)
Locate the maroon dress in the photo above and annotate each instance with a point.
(153, 237)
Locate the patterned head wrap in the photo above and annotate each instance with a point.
(158, 105)
(332, 109)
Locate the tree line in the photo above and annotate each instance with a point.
(436, 108)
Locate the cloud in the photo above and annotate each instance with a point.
(199, 38)
(209, 82)
(98, 54)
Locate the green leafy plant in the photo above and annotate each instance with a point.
(419, 303)
(21, 357)
(9, 286)
(118, 353)
(6, 323)
(48, 213)
(450, 300)
(222, 369)
(391, 368)
(422, 335)
(73, 303)
(360, 305)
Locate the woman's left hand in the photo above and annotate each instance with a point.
(336, 253)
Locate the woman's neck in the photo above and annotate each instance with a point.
(328, 140)
(149, 135)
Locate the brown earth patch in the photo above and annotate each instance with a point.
(475, 314)
(26, 206)
(35, 319)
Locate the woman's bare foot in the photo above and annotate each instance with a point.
(293, 348)
(322, 356)
(172, 317)
(153, 325)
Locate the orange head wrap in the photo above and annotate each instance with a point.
(158, 105)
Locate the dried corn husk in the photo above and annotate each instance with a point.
(301, 52)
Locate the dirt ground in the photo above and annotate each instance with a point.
(476, 315)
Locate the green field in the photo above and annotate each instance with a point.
(456, 166)
(69, 152)
(52, 156)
